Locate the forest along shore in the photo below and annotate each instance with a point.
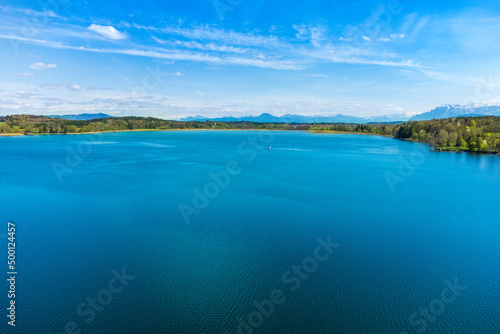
(479, 134)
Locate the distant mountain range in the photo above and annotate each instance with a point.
(445, 111)
(288, 118)
(82, 117)
(456, 110)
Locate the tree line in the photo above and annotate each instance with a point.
(31, 124)
(473, 134)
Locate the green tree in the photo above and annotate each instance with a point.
(452, 138)
(442, 138)
(484, 147)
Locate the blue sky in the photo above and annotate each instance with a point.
(173, 59)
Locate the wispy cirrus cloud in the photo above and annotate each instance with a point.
(180, 55)
(26, 74)
(314, 75)
(296, 59)
(201, 46)
(347, 54)
(206, 32)
(474, 33)
(108, 32)
(42, 66)
(73, 87)
(491, 82)
(314, 34)
(29, 12)
(35, 41)
(215, 45)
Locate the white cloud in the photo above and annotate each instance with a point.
(33, 41)
(73, 87)
(24, 95)
(174, 55)
(192, 56)
(42, 66)
(449, 78)
(204, 32)
(26, 74)
(355, 55)
(201, 46)
(30, 12)
(316, 75)
(107, 31)
(315, 34)
(420, 25)
(391, 37)
(179, 74)
(208, 44)
(125, 24)
(52, 86)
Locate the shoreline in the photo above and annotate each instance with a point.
(11, 134)
(348, 133)
(151, 130)
(134, 130)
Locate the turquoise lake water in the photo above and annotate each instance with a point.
(215, 233)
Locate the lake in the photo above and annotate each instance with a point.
(250, 232)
